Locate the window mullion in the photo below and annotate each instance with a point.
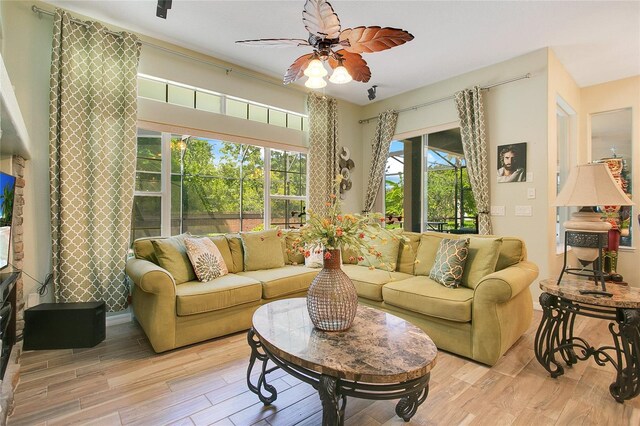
(165, 182)
(267, 188)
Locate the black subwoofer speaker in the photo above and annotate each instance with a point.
(64, 325)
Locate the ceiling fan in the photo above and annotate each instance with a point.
(340, 48)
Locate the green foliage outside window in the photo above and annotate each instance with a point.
(441, 195)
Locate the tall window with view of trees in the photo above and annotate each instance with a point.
(214, 186)
(288, 188)
(394, 186)
(449, 200)
(428, 175)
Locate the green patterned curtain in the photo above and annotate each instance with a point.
(474, 145)
(385, 129)
(323, 151)
(92, 143)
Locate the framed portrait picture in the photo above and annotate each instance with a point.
(512, 163)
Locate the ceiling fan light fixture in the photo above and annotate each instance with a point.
(315, 69)
(315, 83)
(340, 75)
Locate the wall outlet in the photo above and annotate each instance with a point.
(497, 210)
(531, 193)
(523, 211)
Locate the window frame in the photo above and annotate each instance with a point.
(166, 173)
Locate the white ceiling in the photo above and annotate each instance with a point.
(597, 41)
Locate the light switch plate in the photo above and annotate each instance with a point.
(523, 211)
(497, 210)
(529, 176)
(531, 193)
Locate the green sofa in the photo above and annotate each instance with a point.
(480, 320)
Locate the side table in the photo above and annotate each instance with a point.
(555, 339)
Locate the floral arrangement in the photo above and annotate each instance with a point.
(355, 232)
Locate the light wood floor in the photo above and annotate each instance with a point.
(121, 381)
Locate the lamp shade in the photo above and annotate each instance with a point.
(591, 185)
(315, 69)
(340, 75)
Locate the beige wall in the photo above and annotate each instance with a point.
(610, 96)
(514, 112)
(27, 56)
(561, 85)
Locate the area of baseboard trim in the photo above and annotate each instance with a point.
(119, 319)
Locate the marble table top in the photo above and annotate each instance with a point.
(378, 348)
(623, 296)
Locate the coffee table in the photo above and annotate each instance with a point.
(380, 357)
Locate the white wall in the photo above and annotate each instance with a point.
(27, 43)
(514, 112)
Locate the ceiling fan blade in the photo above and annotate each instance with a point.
(353, 62)
(275, 42)
(372, 39)
(320, 19)
(296, 70)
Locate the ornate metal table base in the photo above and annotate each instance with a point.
(555, 337)
(333, 391)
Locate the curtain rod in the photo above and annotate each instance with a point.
(40, 12)
(35, 9)
(415, 107)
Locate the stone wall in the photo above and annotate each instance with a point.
(18, 239)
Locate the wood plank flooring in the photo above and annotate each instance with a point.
(123, 382)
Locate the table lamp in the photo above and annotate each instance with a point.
(589, 185)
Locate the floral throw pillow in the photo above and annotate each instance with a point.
(205, 258)
(448, 266)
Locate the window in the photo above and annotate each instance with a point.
(214, 186)
(448, 201)
(565, 157)
(426, 185)
(146, 215)
(175, 93)
(394, 186)
(287, 188)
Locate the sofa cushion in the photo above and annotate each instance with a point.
(369, 282)
(425, 296)
(349, 256)
(221, 242)
(292, 256)
(143, 249)
(388, 247)
(262, 250)
(196, 297)
(481, 261)
(206, 259)
(407, 252)
(235, 248)
(450, 261)
(172, 256)
(283, 281)
(427, 249)
(512, 251)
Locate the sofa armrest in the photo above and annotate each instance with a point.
(502, 286)
(150, 277)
